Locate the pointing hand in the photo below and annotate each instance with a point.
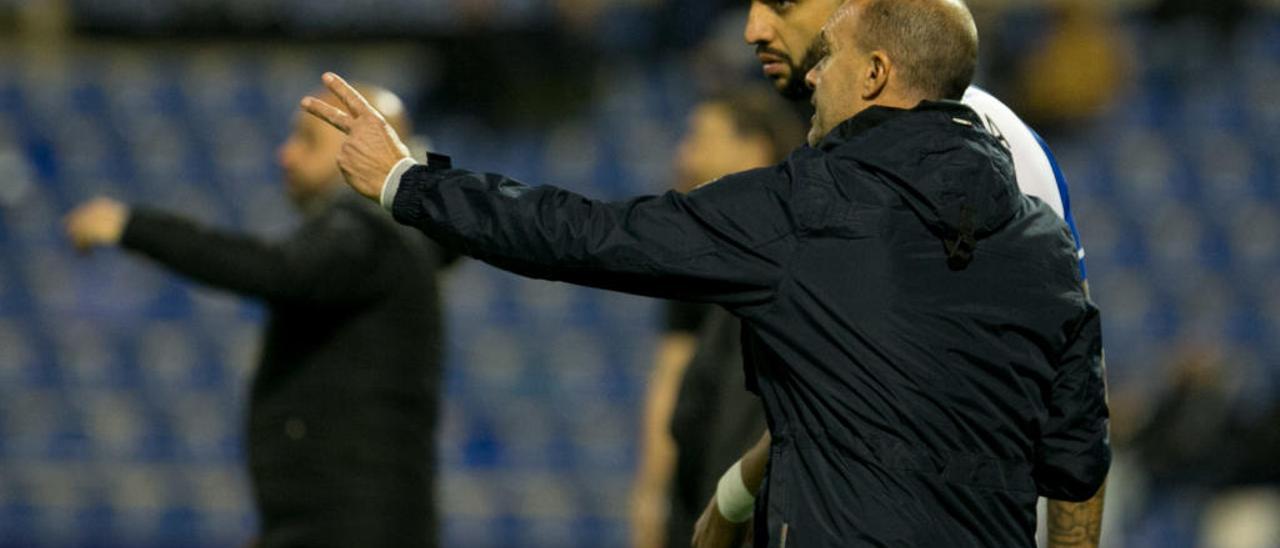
(371, 149)
(99, 222)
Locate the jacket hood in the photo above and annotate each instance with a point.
(940, 158)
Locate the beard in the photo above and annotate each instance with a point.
(795, 87)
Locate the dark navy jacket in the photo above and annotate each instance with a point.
(915, 325)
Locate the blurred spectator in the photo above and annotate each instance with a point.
(1182, 441)
(343, 406)
(1077, 71)
(698, 385)
(1207, 460)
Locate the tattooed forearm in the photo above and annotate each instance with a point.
(1076, 524)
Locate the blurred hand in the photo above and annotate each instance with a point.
(371, 148)
(97, 223)
(713, 530)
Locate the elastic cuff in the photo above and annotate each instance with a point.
(392, 183)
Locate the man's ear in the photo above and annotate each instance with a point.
(876, 78)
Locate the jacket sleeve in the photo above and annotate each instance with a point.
(725, 243)
(331, 260)
(1074, 453)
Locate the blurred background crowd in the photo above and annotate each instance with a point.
(122, 388)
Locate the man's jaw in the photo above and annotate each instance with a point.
(787, 79)
(794, 88)
(786, 76)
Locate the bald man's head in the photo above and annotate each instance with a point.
(933, 43)
(890, 53)
(309, 156)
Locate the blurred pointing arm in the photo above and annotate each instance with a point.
(328, 261)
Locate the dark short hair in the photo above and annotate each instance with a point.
(761, 111)
(934, 43)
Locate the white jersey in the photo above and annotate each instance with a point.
(1037, 170)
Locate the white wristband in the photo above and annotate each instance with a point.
(736, 503)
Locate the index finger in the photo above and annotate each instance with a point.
(355, 103)
(328, 113)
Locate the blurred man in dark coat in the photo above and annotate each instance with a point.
(344, 401)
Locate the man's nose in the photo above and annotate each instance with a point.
(759, 29)
(811, 78)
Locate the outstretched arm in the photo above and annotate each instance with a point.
(725, 243)
(331, 261)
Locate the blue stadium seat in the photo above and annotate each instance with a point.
(453, 430)
(90, 357)
(1254, 242)
(19, 356)
(1228, 172)
(1147, 170)
(602, 435)
(494, 359)
(469, 287)
(204, 425)
(1106, 236)
(236, 347)
(575, 359)
(116, 426)
(138, 497)
(524, 432)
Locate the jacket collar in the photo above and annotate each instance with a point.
(876, 115)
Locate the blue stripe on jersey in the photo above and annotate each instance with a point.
(1066, 198)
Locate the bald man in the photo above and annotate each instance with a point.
(785, 34)
(917, 327)
(344, 400)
